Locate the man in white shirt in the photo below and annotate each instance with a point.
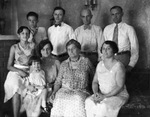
(126, 39)
(59, 34)
(90, 37)
(37, 33)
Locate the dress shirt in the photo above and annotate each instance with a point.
(39, 35)
(127, 40)
(90, 39)
(59, 36)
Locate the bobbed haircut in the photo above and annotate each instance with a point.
(76, 43)
(34, 59)
(21, 28)
(117, 7)
(42, 44)
(59, 8)
(31, 13)
(112, 44)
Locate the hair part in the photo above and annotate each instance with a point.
(31, 13)
(59, 8)
(21, 28)
(73, 41)
(112, 44)
(42, 44)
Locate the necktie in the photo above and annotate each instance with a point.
(57, 25)
(115, 35)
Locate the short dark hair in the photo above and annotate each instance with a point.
(42, 44)
(112, 44)
(76, 43)
(20, 29)
(59, 8)
(117, 7)
(34, 59)
(31, 13)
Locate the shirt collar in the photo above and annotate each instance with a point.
(87, 27)
(58, 25)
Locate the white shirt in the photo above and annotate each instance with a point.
(40, 35)
(127, 40)
(91, 39)
(59, 36)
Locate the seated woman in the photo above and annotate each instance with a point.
(49, 65)
(18, 68)
(108, 85)
(72, 84)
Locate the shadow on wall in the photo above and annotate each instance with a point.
(134, 21)
(105, 20)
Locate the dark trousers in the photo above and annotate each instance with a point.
(93, 57)
(123, 57)
(61, 57)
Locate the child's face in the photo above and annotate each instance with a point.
(24, 35)
(36, 66)
(32, 20)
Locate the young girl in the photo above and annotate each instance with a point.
(35, 93)
(18, 66)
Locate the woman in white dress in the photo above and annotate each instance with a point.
(18, 68)
(108, 85)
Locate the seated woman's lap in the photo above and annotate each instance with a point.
(13, 84)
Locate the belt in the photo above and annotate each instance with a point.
(88, 53)
(123, 52)
(61, 55)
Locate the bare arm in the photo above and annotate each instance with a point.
(95, 84)
(10, 63)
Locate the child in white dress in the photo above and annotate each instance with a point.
(35, 92)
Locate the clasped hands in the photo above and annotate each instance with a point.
(98, 97)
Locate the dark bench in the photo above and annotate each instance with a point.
(137, 106)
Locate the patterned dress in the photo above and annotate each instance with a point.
(70, 99)
(14, 82)
(108, 107)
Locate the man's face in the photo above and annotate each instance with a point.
(32, 20)
(58, 16)
(116, 15)
(86, 17)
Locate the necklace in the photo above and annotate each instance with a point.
(76, 60)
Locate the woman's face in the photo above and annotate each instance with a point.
(73, 51)
(46, 50)
(24, 35)
(107, 51)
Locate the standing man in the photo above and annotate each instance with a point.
(59, 34)
(37, 34)
(90, 37)
(124, 35)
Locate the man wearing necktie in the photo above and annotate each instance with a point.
(125, 37)
(59, 34)
(90, 37)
